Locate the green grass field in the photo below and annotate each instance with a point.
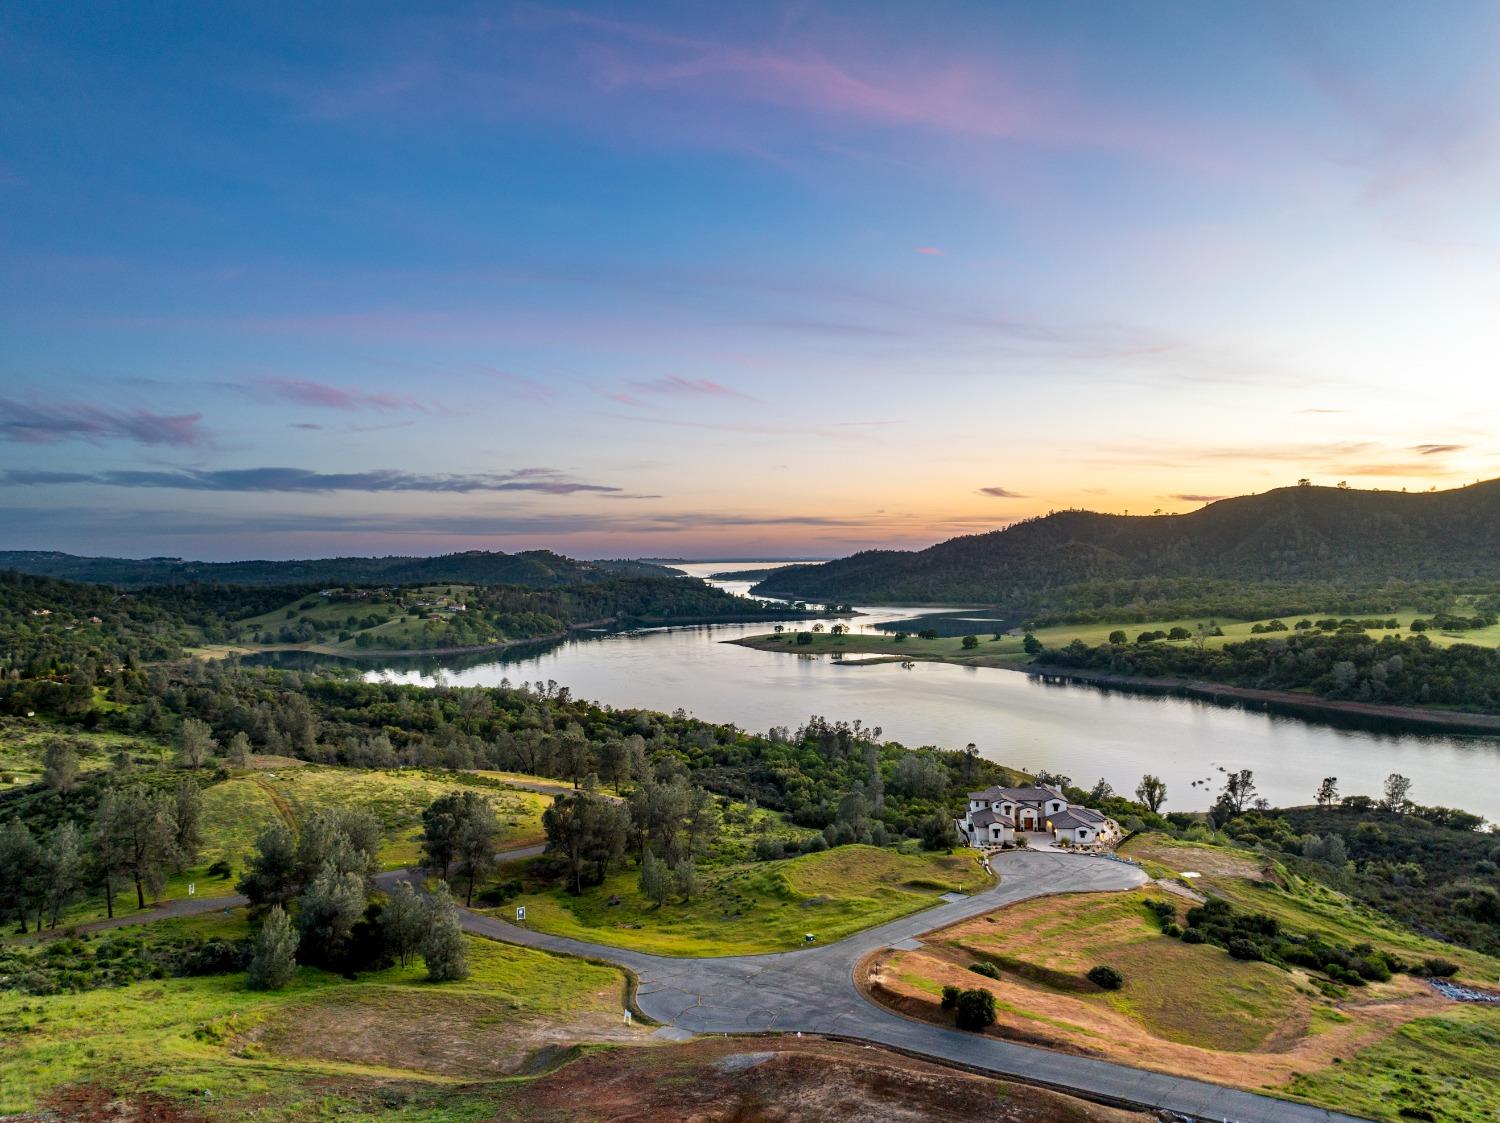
(756, 907)
(237, 809)
(248, 1053)
(1008, 649)
(1448, 1067)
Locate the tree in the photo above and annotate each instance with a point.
(238, 751)
(62, 865)
(590, 832)
(975, 1010)
(274, 960)
(271, 874)
(1396, 788)
(441, 822)
(141, 836)
(443, 943)
(1030, 644)
(1239, 791)
(346, 836)
(196, 742)
(403, 922)
(685, 877)
(1118, 636)
(1152, 792)
(60, 766)
(1328, 791)
(970, 642)
(656, 878)
(327, 912)
(474, 849)
(573, 754)
(1101, 791)
(187, 811)
(21, 870)
(938, 832)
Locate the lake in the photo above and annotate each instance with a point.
(1081, 731)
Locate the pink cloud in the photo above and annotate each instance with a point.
(931, 251)
(675, 386)
(304, 392)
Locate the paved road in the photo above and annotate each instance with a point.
(812, 990)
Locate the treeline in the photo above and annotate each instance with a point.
(1340, 666)
(1427, 868)
(541, 729)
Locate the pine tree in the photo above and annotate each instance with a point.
(271, 874)
(443, 945)
(403, 922)
(327, 912)
(62, 860)
(275, 959)
(685, 877)
(656, 878)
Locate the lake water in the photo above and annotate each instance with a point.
(1078, 730)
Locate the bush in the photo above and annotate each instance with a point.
(274, 961)
(1106, 978)
(768, 848)
(1241, 948)
(988, 970)
(221, 869)
(501, 893)
(1440, 968)
(1192, 936)
(1173, 929)
(975, 1010)
(950, 997)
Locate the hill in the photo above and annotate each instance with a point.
(539, 569)
(1290, 536)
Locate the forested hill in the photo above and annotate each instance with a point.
(537, 569)
(1294, 535)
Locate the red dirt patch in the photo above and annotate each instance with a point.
(787, 1080)
(94, 1103)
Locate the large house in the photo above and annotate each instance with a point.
(996, 814)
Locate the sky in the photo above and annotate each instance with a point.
(731, 280)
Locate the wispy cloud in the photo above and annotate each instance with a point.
(1000, 493)
(42, 422)
(544, 480)
(1191, 498)
(673, 386)
(931, 251)
(305, 392)
(1437, 449)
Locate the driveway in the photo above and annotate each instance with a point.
(812, 990)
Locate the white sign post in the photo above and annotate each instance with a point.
(520, 913)
(192, 889)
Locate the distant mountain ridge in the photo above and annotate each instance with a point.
(1295, 534)
(540, 569)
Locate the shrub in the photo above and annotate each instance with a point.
(988, 970)
(499, 894)
(1192, 936)
(975, 1009)
(950, 997)
(1440, 968)
(1172, 929)
(1106, 978)
(220, 869)
(1241, 948)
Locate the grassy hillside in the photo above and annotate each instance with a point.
(1379, 1050)
(747, 908)
(236, 1050)
(1300, 534)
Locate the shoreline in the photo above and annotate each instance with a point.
(1307, 706)
(608, 623)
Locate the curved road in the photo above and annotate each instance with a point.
(813, 991)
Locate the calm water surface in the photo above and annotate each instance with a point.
(1077, 730)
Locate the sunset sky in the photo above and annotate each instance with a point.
(731, 280)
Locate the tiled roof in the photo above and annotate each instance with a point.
(1078, 817)
(986, 816)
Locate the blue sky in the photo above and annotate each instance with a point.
(730, 279)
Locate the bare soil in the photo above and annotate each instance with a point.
(475, 1038)
(787, 1080)
(96, 1103)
